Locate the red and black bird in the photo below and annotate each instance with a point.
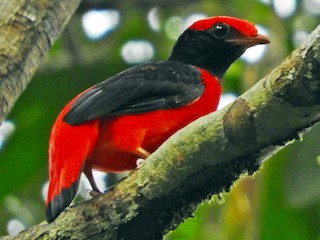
(128, 116)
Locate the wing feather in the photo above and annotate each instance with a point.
(147, 87)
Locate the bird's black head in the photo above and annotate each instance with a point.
(215, 43)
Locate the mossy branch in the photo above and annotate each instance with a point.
(202, 159)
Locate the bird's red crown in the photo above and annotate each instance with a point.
(245, 27)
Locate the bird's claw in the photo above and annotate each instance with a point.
(140, 162)
(93, 193)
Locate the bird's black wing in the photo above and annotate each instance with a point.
(142, 88)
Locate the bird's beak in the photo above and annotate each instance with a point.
(250, 41)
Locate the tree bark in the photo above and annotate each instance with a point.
(28, 30)
(203, 159)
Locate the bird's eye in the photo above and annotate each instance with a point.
(220, 30)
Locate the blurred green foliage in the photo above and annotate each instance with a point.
(281, 201)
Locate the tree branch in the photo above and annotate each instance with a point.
(28, 29)
(202, 159)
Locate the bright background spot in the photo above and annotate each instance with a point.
(154, 19)
(98, 23)
(14, 226)
(137, 51)
(266, 1)
(312, 6)
(285, 8)
(299, 37)
(6, 129)
(44, 190)
(254, 54)
(226, 99)
(173, 27)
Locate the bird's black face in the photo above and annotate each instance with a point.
(213, 49)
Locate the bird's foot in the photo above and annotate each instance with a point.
(93, 193)
(140, 162)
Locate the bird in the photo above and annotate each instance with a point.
(111, 125)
